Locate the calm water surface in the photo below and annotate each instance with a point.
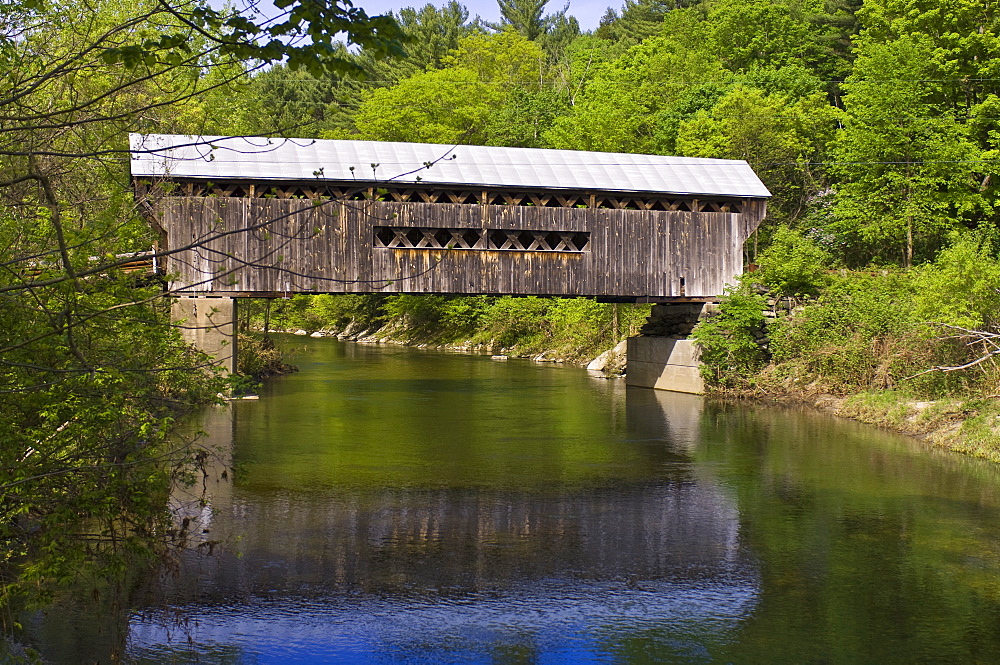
(391, 505)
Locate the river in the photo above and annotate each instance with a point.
(392, 505)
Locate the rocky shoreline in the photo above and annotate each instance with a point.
(610, 363)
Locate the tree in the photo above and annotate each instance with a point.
(622, 104)
(524, 16)
(444, 106)
(961, 43)
(432, 34)
(639, 19)
(781, 138)
(92, 376)
(491, 92)
(906, 165)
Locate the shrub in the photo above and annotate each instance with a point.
(793, 264)
(258, 358)
(339, 311)
(511, 322)
(731, 351)
(961, 286)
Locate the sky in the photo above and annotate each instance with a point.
(587, 12)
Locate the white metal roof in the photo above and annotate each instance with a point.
(250, 158)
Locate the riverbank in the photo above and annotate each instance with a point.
(563, 330)
(611, 361)
(970, 427)
(908, 349)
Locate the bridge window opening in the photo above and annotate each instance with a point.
(494, 239)
(471, 238)
(413, 237)
(383, 236)
(500, 240)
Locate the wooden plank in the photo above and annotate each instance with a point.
(632, 253)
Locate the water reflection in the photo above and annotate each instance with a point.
(376, 557)
(390, 505)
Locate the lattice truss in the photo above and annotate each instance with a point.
(320, 191)
(409, 237)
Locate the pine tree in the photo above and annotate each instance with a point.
(525, 16)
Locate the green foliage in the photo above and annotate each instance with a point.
(94, 377)
(87, 448)
(859, 335)
(445, 106)
(793, 264)
(906, 163)
(487, 94)
(293, 103)
(524, 16)
(639, 19)
(759, 32)
(434, 33)
(782, 139)
(568, 328)
(258, 359)
(730, 340)
(305, 36)
(619, 109)
(961, 287)
(366, 311)
(422, 317)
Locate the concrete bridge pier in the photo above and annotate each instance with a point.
(209, 325)
(663, 357)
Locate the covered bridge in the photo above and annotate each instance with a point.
(269, 217)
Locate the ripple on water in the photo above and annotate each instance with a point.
(566, 620)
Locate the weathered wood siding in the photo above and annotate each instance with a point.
(268, 246)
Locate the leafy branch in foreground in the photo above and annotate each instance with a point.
(93, 377)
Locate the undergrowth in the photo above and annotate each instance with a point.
(891, 340)
(572, 329)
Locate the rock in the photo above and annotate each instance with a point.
(498, 357)
(317, 334)
(300, 332)
(600, 362)
(611, 361)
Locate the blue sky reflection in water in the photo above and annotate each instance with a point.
(399, 506)
(557, 622)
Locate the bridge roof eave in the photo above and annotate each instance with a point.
(468, 167)
(456, 186)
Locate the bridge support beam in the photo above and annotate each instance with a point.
(663, 357)
(209, 325)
